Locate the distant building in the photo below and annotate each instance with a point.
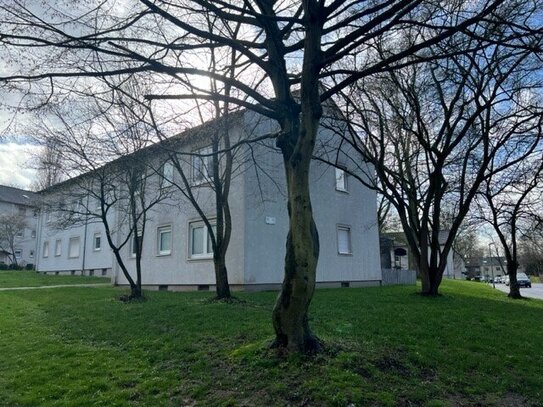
(19, 201)
(487, 267)
(396, 254)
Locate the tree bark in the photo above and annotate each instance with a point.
(299, 124)
(514, 289)
(290, 314)
(221, 278)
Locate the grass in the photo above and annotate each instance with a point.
(385, 347)
(20, 278)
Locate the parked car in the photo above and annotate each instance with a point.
(523, 280)
(498, 279)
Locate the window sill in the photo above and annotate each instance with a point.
(345, 254)
(343, 191)
(200, 258)
(164, 254)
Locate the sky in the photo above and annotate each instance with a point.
(14, 164)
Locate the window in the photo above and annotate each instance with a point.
(97, 242)
(341, 180)
(33, 233)
(22, 210)
(164, 240)
(73, 248)
(31, 255)
(167, 174)
(18, 254)
(58, 247)
(48, 216)
(201, 166)
(45, 249)
(20, 233)
(35, 213)
(200, 241)
(344, 240)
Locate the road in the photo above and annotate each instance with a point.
(535, 292)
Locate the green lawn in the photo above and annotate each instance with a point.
(32, 279)
(385, 347)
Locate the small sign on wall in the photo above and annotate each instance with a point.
(270, 220)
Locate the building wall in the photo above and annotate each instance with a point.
(260, 223)
(27, 242)
(179, 268)
(267, 221)
(88, 261)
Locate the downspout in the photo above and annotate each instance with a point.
(37, 251)
(85, 237)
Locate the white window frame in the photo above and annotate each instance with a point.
(58, 247)
(344, 228)
(341, 179)
(74, 239)
(160, 231)
(33, 233)
(201, 176)
(96, 235)
(45, 249)
(207, 250)
(20, 256)
(20, 233)
(31, 254)
(168, 171)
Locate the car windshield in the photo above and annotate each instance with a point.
(522, 276)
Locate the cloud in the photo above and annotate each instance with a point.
(14, 164)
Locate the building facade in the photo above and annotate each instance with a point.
(176, 251)
(15, 203)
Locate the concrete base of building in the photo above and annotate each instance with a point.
(253, 287)
(100, 272)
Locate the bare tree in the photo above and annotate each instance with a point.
(102, 146)
(213, 165)
(509, 203)
(11, 227)
(531, 256)
(48, 164)
(432, 132)
(290, 47)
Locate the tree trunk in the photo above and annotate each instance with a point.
(430, 279)
(290, 314)
(514, 289)
(135, 289)
(221, 277)
(299, 127)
